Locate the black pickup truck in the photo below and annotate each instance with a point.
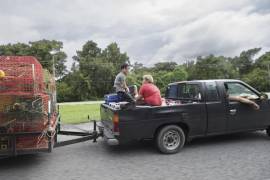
(194, 109)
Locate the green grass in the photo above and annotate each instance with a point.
(74, 114)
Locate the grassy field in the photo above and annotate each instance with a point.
(78, 113)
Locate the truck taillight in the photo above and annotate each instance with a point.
(115, 123)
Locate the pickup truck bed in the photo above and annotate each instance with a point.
(204, 110)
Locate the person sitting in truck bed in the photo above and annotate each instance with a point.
(241, 99)
(121, 87)
(149, 93)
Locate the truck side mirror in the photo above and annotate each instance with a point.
(263, 96)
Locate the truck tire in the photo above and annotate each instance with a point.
(268, 131)
(170, 139)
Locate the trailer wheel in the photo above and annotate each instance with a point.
(170, 139)
(268, 131)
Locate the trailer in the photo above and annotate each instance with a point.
(29, 118)
(11, 149)
(9, 146)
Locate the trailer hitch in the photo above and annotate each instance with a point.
(83, 136)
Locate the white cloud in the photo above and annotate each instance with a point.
(16, 29)
(149, 30)
(218, 33)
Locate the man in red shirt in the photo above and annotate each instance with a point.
(149, 93)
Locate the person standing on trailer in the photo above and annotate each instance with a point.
(120, 85)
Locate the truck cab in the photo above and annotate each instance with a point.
(223, 115)
(193, 109)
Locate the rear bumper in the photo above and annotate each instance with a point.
(9, 147)
(40, 141)
(108, 136)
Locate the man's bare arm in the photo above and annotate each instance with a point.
(244, 100)
(126, 87)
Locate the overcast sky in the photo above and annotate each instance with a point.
(148, 30)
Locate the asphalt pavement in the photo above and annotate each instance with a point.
(241, 156)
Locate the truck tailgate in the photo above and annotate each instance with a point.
(107, 114)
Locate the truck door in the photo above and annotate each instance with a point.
(216, 109)
(243, 116)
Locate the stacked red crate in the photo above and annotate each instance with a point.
(24, 75)
(25, 105)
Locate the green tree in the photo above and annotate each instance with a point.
(19, 49)
(244, 62)
(73, 87)
(99, 67)
(113, 55)
(263, 61)
(165, 66)
(211, 67)
(64, 92)
(163, 78)
(41, 50)
(258, 78)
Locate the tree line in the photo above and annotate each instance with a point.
(93, 70)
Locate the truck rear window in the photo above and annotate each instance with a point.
(189, 91)
(183, 91)
(171, 92)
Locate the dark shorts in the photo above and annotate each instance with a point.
(125, 97)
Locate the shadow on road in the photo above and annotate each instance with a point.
(149, 146)
(19, 161)
(135, 146)
(229, 138)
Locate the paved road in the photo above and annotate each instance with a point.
(239, 156)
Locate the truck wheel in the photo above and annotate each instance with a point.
(268, 131)
(170, 139)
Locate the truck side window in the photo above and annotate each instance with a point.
(211, 91)
(238, 89)
(171, 92)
